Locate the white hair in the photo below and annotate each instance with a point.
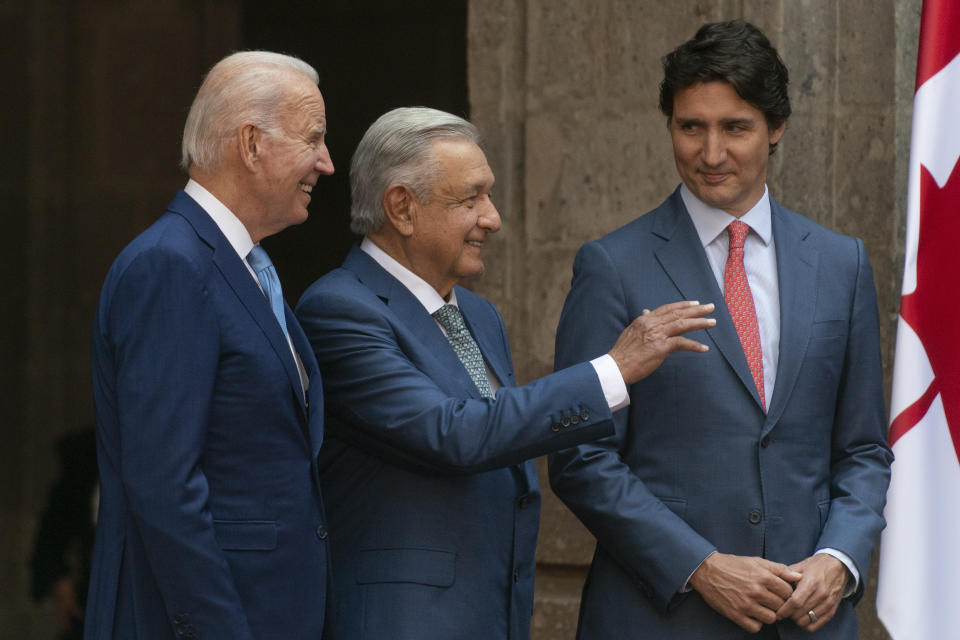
(398, 149)
(244, 86)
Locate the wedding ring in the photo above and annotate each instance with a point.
(813, 616)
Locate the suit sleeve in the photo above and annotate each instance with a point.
(860, 457)
(164, 336)
(652, 544)
(381, 399)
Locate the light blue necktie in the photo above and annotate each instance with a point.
(267, 275)
(464, 346)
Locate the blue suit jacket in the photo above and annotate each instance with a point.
(210, 523)
(432, 496)
(696, 465)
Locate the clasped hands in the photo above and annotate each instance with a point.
(753, 591)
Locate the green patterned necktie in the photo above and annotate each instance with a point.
(464, 346)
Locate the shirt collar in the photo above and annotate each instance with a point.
(229, 224)
(427, 295)
(710, 222)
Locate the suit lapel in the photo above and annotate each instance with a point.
(797, 271)
(414, 317)
(315, 388)
(685, 262)
(235, 273)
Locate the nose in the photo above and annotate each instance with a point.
(489, 219)
(324, 163)
(714, 149)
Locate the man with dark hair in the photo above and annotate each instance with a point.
(427, 471)
(742, 494)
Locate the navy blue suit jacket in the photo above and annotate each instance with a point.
(432, 497)
(211, 523)
(696, 465)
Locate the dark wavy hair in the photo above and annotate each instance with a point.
(735, 52)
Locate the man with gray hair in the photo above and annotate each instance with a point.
(427, 469)
(208, 397)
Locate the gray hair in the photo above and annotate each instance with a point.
(397, 149)
(244, 86)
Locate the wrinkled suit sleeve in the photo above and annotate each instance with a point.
(860, 457)
(381, 400)
(165, 341)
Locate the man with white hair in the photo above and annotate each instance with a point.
(209, 403)
(427, 470)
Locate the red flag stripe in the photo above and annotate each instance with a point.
(910, 416)
(939, 38)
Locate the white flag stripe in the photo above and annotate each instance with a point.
(919, 592)
(913, 374)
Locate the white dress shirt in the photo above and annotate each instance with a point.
(760, 264)
(239, 238)
(614, 388)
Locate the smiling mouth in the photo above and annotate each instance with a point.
(714, 178)
(475, 243)
(306, 188)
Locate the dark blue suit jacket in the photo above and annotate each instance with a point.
(432, 496)
(696, 465)
(211, 523)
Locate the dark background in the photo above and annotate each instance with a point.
(372, 57)
(95, 96)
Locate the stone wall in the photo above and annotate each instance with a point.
(565, 92)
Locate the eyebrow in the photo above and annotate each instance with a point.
(724, 122)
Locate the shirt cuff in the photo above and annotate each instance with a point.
(686, 588)
(611, 381)
(852, 585)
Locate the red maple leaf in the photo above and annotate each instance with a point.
(933, 309)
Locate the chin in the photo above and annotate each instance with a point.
(299, 218)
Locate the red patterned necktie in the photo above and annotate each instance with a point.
(736, 293)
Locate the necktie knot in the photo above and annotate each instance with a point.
(738, 232)
(258, 259)
(450, 318)
(464, 346)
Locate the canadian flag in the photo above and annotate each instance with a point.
(919, 580)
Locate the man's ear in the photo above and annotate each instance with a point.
(249, 145)
(400, 206)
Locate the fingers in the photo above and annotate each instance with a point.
(747, 590)
(815, 617)
(819, 592)
(678, 318)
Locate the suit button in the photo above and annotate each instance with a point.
(555, 427)
(565, 421)
(584, 415)
(574, 419)
(755, 516)
(765, 442)
(321, 533)
(516, 575)
(524, 501)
